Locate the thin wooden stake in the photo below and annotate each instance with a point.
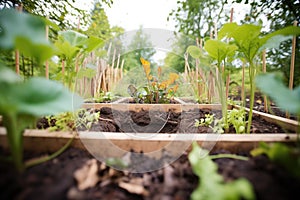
(47, 63)
(264, 65)
(292, 68)
(231, 15)
(17, 53)
(243, 85)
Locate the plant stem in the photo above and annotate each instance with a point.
(229, 156)
(33, 162)
(252, 93)
(15, 140)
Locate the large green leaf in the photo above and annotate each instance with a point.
(219, 50)
(14, 25)
(273, 40)
(40, 51)
(39, 97)
(272, 85)
(8, 76)
(194, 51)
(73, 37)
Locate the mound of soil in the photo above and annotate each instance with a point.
(56, 179)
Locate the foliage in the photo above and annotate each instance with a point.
(157, 90)
(69, 121)
(278, 14)
(250, 43)
(102, 97)
(271, 84)
(197, 18)
(70, 45)
(235, 117)
(99, 27)
(140, 46)
(211, 184)
(282, 154)
(174, 58)
(22, 102)
(25, 33)
(59, 11)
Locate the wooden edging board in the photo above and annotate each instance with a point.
(45, 141)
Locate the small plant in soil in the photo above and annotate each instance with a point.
(156, 90)
(211, 184)
(102, 97)
(235, 118)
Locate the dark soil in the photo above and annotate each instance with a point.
(170, 122)
(259, 105)
(55, 180)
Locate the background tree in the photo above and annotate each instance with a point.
(278, 14)
(140, 46)
(198, 17)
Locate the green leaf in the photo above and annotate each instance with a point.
(41, 51)
(194, 51)
(8, 76)
(219, 50)
(73, 37)
(211, 184)
(272, 86)
(40, 97)
(14, 25)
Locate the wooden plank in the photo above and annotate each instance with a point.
(45, 141)
(285, 123)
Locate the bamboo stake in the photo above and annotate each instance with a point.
(47, 63)
(228, 75)
(231, 15)
(292, 68)
(17, 53)
(122, 66)
(264, 65)
(243, 85)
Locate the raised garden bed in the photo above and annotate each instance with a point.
(171, 181)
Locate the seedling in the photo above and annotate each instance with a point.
(211, 184)
(235, 117)
(155, 91)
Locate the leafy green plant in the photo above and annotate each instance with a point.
(70, 46)
(235, 117)
(272, 85)
(156, 91)
(22, 102)
(102, 97)
(70, 121)
(211, 184)
(250, 42)
(282, 154)
(221, 52)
